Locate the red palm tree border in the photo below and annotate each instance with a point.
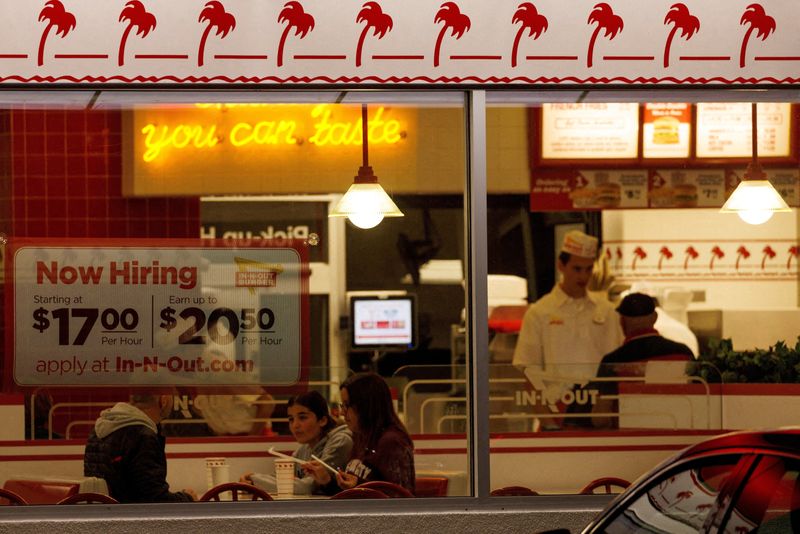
(604, 16)
(530, 20)
(136, 15)
(683, 20)
(375, 18)
(757, 19)
(214, 13)
(57, 16)
(297, 18)
(453, 19)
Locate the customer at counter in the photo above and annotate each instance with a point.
(318, 434)
(126, 449)
(567, 332)
(382, 448)
(643, 343)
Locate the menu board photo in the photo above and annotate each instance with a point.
(724, 130)
(667, 130)
(590, 131)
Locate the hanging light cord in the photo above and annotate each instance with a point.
(364, 135)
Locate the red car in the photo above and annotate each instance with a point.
(743, 482)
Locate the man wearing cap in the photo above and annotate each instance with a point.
(567, 332)
(643, 343)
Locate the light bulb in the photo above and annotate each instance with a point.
(366, 220)
(755, 217)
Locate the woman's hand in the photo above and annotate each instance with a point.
(346, 480)
(245, 478)
(318, 471)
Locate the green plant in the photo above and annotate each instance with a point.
(779, 363)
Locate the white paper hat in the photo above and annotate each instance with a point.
(579, 244)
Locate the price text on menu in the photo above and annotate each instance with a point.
(157, 316)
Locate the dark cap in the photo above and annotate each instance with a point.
(636, 305)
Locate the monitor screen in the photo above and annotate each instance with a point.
(383, 323)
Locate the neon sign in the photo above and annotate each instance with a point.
(327, 131)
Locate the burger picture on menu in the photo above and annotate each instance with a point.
(608, 195)
(684, 195)
(666, 130)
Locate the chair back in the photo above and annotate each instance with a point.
(239, 492)
(513, 491)
(9, 498)
(390, 489)
(360, 493)
(605, 483)
(431, 487)
(88, 498)
(42, 491)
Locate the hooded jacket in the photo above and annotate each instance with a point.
(126, 449)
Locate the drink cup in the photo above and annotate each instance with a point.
(217, 471)
(284, 477)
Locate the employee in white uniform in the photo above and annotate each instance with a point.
(565, 334)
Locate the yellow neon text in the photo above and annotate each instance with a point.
(348, 133)
(263, 133)
(180, 137)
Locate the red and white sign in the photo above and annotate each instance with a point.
(157, 313)
(413, 42)
(666, 130)
(724, 130)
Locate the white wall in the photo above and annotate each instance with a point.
(747, 284)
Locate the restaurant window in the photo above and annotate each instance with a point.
(645, 173)
(180, 243)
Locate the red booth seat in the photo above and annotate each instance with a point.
(42, 491)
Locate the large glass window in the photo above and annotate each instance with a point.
(579, 393)
(183, 245)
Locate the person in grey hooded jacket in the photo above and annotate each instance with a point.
(126, 449)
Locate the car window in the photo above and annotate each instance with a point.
(769, 501)
(678, 502)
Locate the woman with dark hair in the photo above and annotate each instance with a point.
(317, 432)
(382, 448)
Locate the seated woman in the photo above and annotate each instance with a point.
(382, 448)
(318, 434)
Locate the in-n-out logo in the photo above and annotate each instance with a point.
(270, 233)
(554, 394)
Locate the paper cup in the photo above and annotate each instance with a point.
(284, 477)
(217, 471)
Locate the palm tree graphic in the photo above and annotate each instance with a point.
(716, 252)
(376, 19)
(453, 19)
(691, 253)
(606, 20)
(758, 20)
(530, 20)
(665, 252)
(136, 16)
(57, 17)
(214, 13)
(679, 16)
(638, 254)
(741, 252)
(768, 253)
(298, 19)
(794, 252)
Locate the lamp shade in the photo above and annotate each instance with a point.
(755, 201)
(366, 204)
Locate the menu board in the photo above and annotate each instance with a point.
(667, 130)
(724, 130)
(602, 189)
(590, 131)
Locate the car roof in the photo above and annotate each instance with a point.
(786, 440)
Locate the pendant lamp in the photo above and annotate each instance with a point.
(755, 199)
(366, 203)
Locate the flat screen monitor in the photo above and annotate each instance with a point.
(383, 323)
